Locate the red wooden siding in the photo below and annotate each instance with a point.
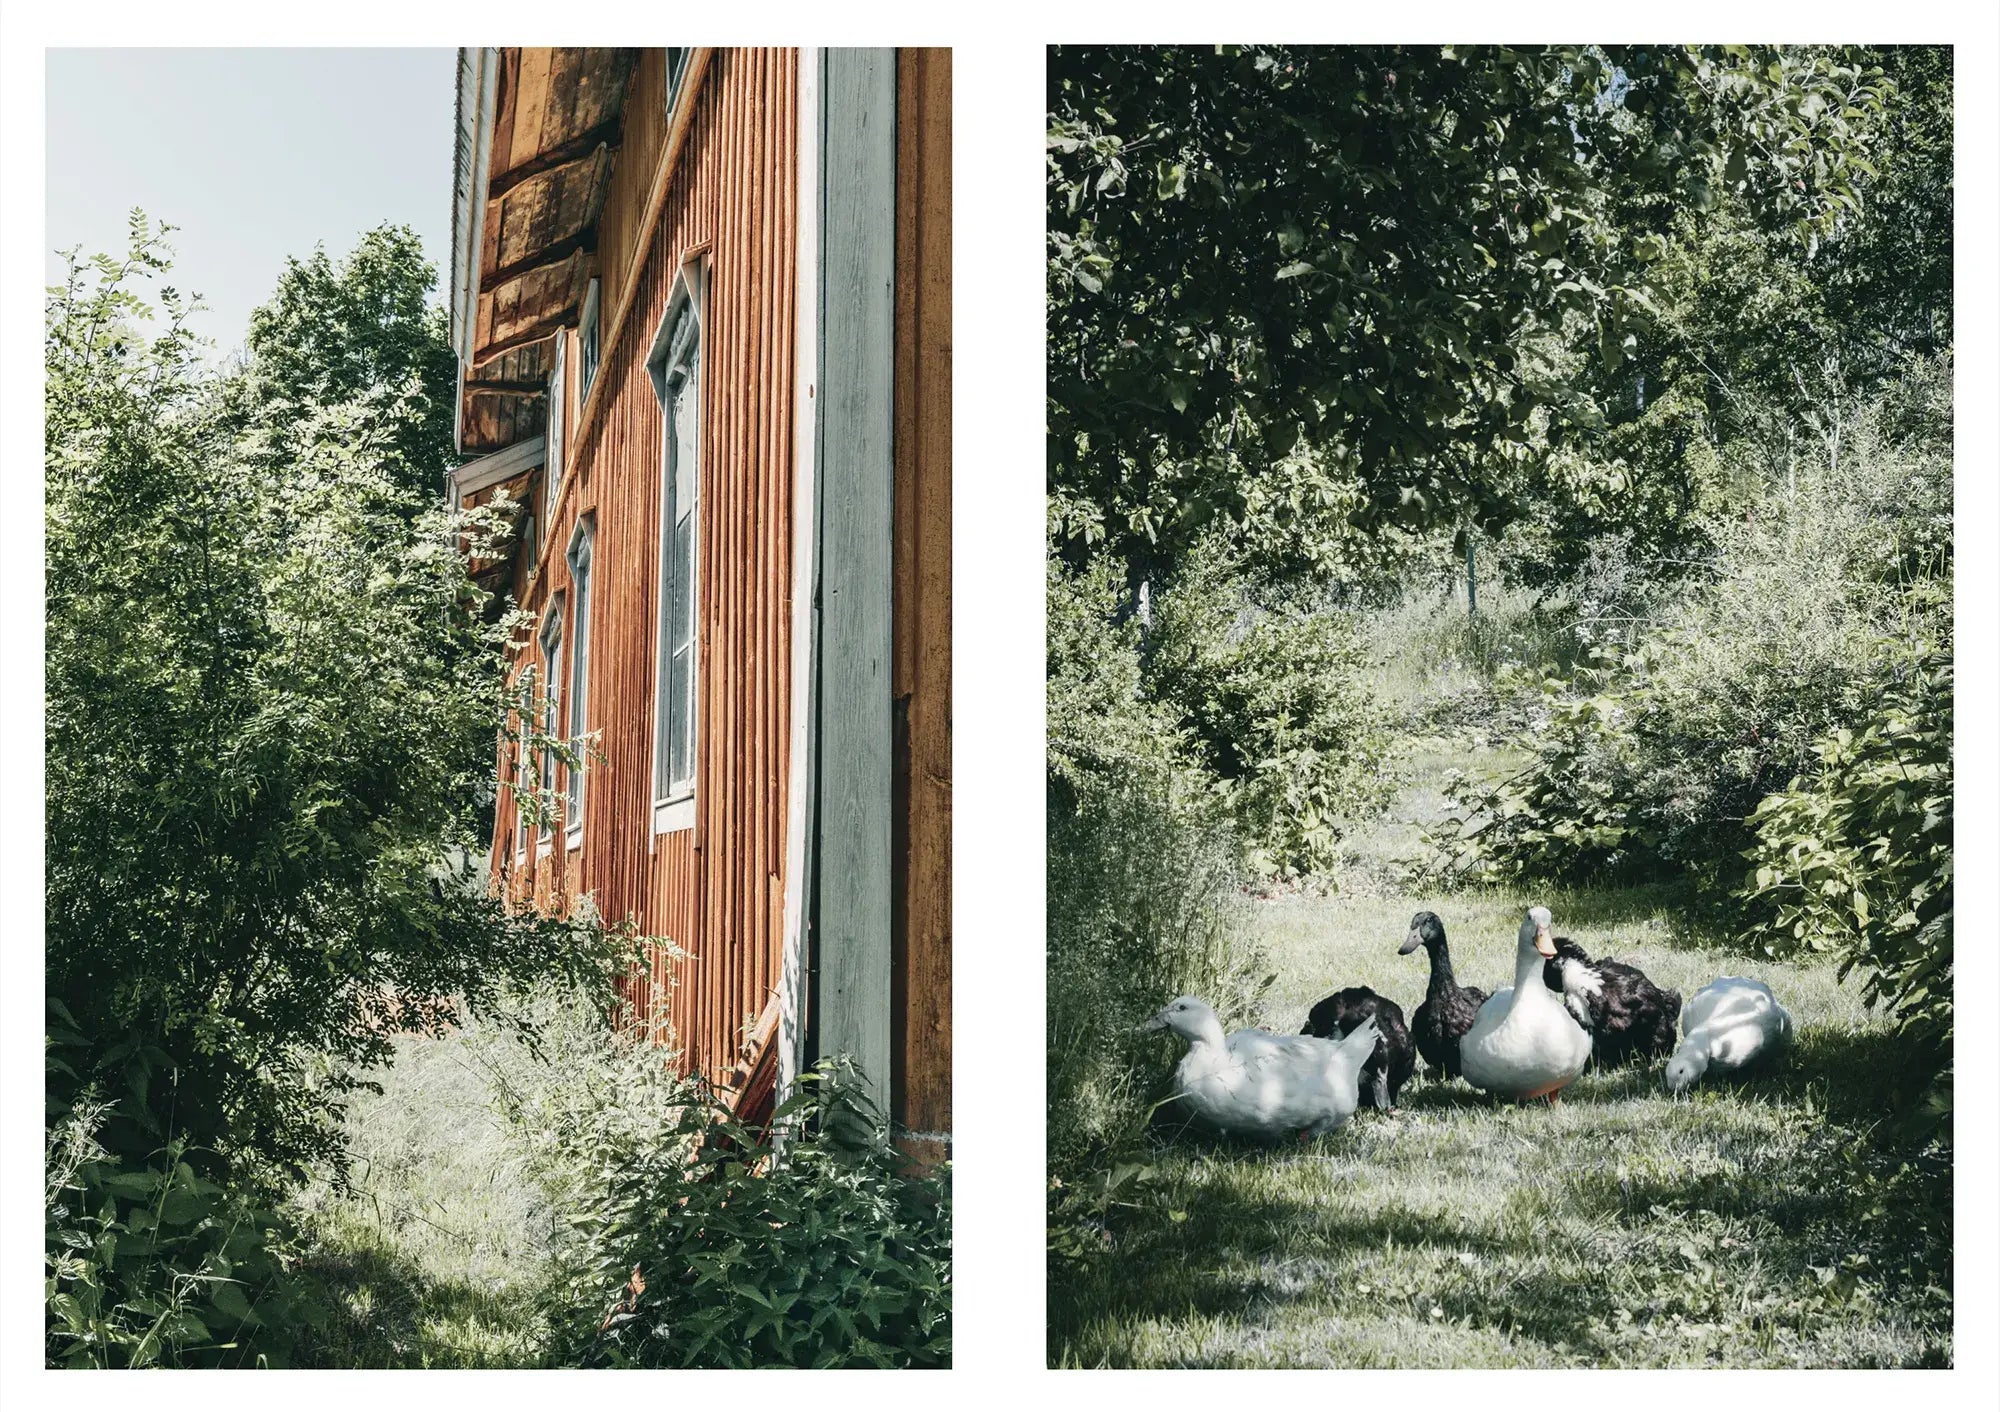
(716, 891)
(921, 994)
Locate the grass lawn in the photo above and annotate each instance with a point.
(1751, 1225)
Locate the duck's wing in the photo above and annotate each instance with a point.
(1246, 1042)
(1272, 1084)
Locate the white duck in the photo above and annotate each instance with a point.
(1730, 1024)
(1523, 1043)
(1257, 1084)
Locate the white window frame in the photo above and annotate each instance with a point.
(586, 344)
(520, 762)
(551, 639)
(671, 362)
(552, 476)
(677, 70)
(581, 542)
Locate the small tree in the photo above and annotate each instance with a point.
(272, 699)
(361, 332)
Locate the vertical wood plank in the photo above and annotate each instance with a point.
(857, 298)
(923, 601)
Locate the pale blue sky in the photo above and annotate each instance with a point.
(255, 154)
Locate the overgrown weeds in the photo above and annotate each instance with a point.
(575, 1201)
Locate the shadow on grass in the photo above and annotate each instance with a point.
(1797, 1228)
(388, 1312)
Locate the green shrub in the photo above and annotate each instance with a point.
(707, 1243)
(147, 1263)
(1102, 725)
(1270, 685)
(1855, 861)
(1650, 763)
(1143, 864)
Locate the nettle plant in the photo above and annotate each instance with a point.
(712, 1243)
(148, 1263)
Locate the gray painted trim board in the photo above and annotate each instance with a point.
(856, 472)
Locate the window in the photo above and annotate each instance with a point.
(579, 667)
(552, 477)
(677, 64)
(586, 345)
(551, 710)
(675, 366)
(519, 829)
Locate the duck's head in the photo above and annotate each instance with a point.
(1425, 930)
(1535, 932)
(1685, 1069)
(1187, 1017)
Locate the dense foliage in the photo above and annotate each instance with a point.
(152, 1265)
(1364, 253)
(1855, 861)
(1269, 683)
(706, 1243)
(272, 701)
(362, 332)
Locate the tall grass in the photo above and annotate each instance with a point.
(1143, 906)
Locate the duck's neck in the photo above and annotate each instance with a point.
(1210, 1033)
(1528, 974)
(1442, 980)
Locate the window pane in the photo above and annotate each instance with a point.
(678, 724)
(680, 622)
(579, 682)
(684, 412)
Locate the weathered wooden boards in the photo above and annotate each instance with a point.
(922, 999)
(856, 749)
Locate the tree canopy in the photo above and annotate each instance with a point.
(361, 330)
(1311, 291)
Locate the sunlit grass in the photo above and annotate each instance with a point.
(437, 1258)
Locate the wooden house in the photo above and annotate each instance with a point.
(701, 300)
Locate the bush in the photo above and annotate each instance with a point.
(1143, 866)
(1855, 862)
(1102, 725)
(1650, 763)
(707, 1243)
(272, 700)
(1271, 687)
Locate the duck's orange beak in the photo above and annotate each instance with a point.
(1542, 942)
